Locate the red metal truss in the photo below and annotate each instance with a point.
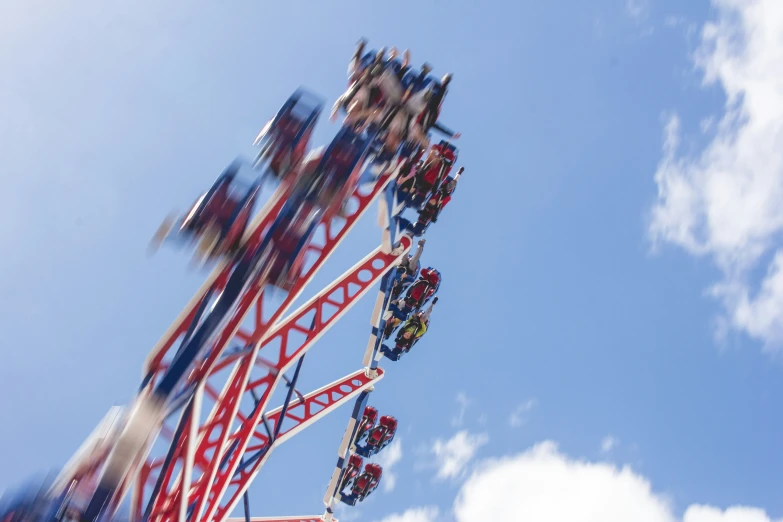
(215, 282)
(315, 406)
(332, 232)
(312, 518)
(300, 413)
(280, 351)
(215, 436)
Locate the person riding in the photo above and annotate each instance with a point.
(407, 270)
(386, 94)
(428, 175)
(363, 92)
(414, 328)
(438, 201)
(430, 115)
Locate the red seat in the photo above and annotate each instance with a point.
(288, 125)
(356, 461)
(361, 483)
(417, 290)
(431, 276)
(226, 210)
(389, 422)
(374, 470)
(371, 414)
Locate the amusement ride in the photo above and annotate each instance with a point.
(201, 425)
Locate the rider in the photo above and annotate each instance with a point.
(439, 200)
(414, 102)
(422, 101)
(385, 93)
(359, 61)
(391, 79)
(364, 90)
(426, 178)
(385, 81)
(429, 118)
(414, 328)
(418, 294)
(407, 270)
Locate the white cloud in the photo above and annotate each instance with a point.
(608, 444)
(727, 201)
(543, 484)
(463, 401)
(638, 10)
(421, 514)
(735, 514)
(518, 417)
(453, 455)
(388, 458)
(674, 21)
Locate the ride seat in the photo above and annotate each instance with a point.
(371, 414)
(376, 436)
(389, 422)
(226, 209)
(431, 275)
(374, 470)
(361, 483)
(288, 125)
(356, 461)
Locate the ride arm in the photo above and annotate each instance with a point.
(414, 259)
(409, 175)
(426, 315)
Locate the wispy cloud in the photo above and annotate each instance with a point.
(463, 401)
(637, 10)
(518, 417)
(453, 455)
(388, 458)
(544, 484)
(608, 444)
(639, 13)
(726, 202)
(674, 21)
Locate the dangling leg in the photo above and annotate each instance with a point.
(359, 111)
(425, 316)
(418, 135)
(355, 65)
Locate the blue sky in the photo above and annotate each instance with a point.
(621, 298)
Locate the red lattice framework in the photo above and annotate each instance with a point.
(213, 461)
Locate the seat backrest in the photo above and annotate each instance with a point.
(374, 470)
(431, 275)
(371, 414)
(376, 434)
(356, 460)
